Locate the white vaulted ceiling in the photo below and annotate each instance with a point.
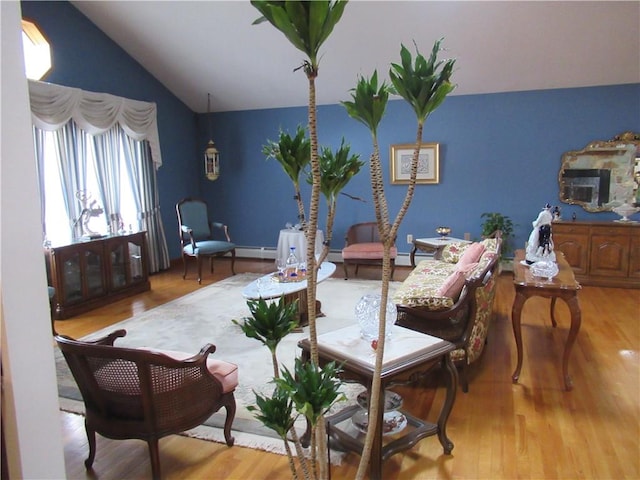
(201, 47)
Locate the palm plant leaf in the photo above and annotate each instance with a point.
(305, 24)
(369, 102)
(270, 322)
(423, 84)
(275, 413)
(313, 390)
(336, 170)
(293, 153)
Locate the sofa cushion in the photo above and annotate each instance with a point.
(471, 254)
(452, 252)
(367, 250)
(225, 372)
(420, 288)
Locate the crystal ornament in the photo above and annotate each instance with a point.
(368, 315)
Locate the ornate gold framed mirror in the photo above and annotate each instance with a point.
(603, 175)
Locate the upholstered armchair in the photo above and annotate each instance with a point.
(363, 247)
(199, 237)
(143, 394)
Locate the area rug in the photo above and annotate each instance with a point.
(205, 316)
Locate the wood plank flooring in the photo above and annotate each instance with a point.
(530, 430)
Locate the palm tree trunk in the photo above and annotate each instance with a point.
(311, 242)
(387, 235)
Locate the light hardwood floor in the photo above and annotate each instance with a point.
(530, 430)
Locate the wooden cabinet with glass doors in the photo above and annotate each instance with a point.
(89, 274)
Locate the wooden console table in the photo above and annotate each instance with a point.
(563, 286)
(408, 356)
(92, 273)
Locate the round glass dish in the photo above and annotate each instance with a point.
(393, 422)
(392, 401)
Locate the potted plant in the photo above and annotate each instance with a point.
(494, 221)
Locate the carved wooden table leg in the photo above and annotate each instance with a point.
(576, 320)
(451, 379)
(516, 313)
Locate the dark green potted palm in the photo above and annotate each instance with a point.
(494, 221)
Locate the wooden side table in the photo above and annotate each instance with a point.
(431, 245)
(408, 356)
(564, 286)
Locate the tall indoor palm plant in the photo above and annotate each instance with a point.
(424, 84)
(307, 25)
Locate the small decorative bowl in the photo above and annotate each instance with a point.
(443, 231)
(625, 210)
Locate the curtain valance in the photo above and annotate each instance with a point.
(52, 106)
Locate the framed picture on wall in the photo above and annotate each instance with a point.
(428, 163)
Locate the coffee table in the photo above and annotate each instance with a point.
(432, 244)
(409, 355)
(268, 288)
(564, 286)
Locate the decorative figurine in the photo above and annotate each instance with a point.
(556, 214)
(540, 244)
(90, 208)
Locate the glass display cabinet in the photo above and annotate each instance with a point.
(89, 274)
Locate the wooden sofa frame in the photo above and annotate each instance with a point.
(454, 324)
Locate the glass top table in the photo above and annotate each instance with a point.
(269, 287)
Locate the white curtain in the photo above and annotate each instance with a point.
(108, 123)
(52, 106)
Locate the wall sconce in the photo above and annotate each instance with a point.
(211, 154)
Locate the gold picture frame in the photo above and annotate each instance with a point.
(428, 163)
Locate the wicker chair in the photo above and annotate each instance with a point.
(363, 247)
(142, 394)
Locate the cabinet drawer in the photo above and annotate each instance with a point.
(569, 229)
(612, 230)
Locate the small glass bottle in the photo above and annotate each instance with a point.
(291, 268)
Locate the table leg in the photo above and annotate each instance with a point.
(516, 313)
(451, 379)
(576, 320)
(412, 255)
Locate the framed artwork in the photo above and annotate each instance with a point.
(428, 163)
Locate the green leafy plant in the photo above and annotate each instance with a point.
(269, 323)
(313, 391)
(494, 221)
(294, 155)
(276, 413)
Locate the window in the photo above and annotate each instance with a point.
(58, 225)
(37, 53)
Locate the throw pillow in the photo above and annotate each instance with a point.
(452, 252)
(453, 285)
(471, 254)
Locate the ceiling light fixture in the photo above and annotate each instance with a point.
(211, 154)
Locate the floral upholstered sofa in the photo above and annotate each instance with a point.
(451, 296)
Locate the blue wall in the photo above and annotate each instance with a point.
(498, 152)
